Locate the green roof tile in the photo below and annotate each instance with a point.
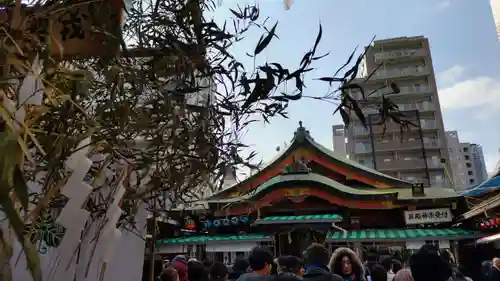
(403, 234)
(206, 239)
(328, 217)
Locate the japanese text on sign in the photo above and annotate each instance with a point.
(428, 216)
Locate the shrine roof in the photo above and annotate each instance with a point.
(400, 194)
(302, 138)
(313, 177)
(403, 234)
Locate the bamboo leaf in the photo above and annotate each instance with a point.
(32, 258)
(20, 187)
(265, 41)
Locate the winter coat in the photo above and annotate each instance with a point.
(320, 274)
(357, 266)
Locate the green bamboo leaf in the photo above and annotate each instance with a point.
(32, 258)
(20, 187)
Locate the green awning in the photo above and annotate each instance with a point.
(214, 239)
(329, 218)
(403, 234)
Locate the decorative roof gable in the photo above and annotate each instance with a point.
(287, 162)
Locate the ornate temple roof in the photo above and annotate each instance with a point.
(302, 139)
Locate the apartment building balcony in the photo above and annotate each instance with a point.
(406, 54)
(396, 145)
(404, 72)
(401, 164)
(393, 127)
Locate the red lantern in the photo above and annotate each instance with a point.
(189, 223)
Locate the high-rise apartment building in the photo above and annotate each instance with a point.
(339, 140)
(495, 8)
(467, 161)
(415, 155)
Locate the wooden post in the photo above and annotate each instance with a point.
(152, 247)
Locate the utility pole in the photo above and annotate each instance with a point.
(152, 248)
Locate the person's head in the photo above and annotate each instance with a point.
(169, 274)
(181, 258)
(287, 277)
(260, 260)
(386, 262)
(290, 264)
(196, 271)
(428, 265)
(344, 262)
(396, 266)
(447, 256)
(182, 270)
(218, 272)
(316, 254)
(403, 275)
(240, 265)
(208, 262)
(378, 273)
(496, 262)
(346, 265)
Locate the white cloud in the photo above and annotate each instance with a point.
(450, 76)
(481, 93)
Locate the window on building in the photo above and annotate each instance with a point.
(466, 157)
(387, 159)
(418, 87)
(459, 150)
(466, 149)
(469, 173)
(471, 181)
(468, 165)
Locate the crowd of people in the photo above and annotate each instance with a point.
(316, 264)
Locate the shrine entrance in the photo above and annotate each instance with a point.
(296, 241)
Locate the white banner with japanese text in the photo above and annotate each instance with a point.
(428, 216)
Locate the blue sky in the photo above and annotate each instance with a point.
(465, 52)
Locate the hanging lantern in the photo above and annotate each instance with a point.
(235, 220)
(189, 223)
(216, 223)
(207, 224)
(244, 219)
(225, 222)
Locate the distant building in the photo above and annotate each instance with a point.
(467, 161)
(416, 155)
(339, 140)
(495, 8)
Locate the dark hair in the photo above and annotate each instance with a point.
(378, 273)
(428, 265)
(289, 263)
(208, 262)
(396, 266)
(386, 262)
(196, 271)
(337, 265)
(287, 277)
(447, 256)
(316, 254)
(260, 256)
(218, 271)
(240, 265)
(169, 274)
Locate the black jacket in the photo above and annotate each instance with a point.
(320, 274)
